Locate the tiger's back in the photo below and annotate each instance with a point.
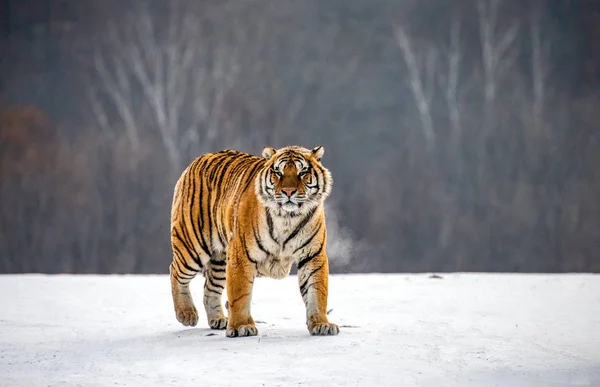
(210, 186)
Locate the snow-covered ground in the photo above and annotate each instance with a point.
(396, 330)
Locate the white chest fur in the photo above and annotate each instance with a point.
(282, 241)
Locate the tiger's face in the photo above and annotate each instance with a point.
(293, 180)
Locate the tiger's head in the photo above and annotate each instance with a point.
(293, 181)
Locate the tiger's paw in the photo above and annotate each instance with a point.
(242, 331)
(187, 315)
(218, 323)
(323, 329)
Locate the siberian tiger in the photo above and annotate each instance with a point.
(235, 217)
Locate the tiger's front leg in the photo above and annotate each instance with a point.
(313, 277)
(240, 280)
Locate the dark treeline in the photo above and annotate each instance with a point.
(462, 136)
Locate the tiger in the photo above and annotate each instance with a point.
(236, 217)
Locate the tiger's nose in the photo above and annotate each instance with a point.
(289, 191)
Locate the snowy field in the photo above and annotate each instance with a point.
(396, 330)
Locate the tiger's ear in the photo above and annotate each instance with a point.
(318, 152)
(268, 152)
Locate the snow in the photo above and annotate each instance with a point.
(396, 330)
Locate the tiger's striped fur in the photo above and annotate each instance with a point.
(235, 217)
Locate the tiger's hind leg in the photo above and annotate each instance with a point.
(214, 285)
(182, 273)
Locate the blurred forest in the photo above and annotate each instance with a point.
(462, 135)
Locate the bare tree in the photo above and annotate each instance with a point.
(498, 50)
(180, 78)
(421, 72)
(539, 66)
(454, 55)
(116, 87)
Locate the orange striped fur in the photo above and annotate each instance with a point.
(236, 217)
